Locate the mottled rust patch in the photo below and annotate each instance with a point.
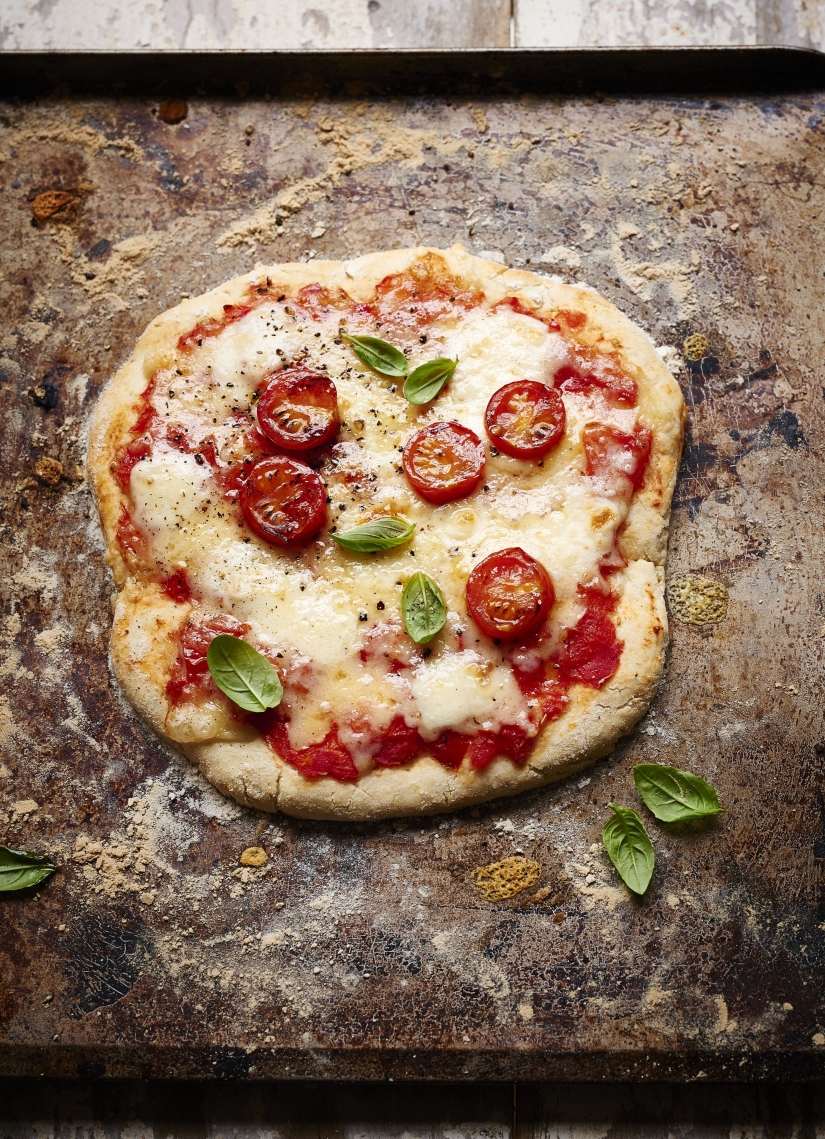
(173, 111)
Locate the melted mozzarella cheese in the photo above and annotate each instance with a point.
(461, 690)
(168, 490)
(494, 349)
(285, 606)
(316, 604)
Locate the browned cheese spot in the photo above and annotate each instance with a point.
(695, 347)
(49, 203)
(696, 600)
(503, 879)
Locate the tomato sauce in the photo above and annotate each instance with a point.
(511, 741)
(190, 676)
(571, 318)
(547, 693)
(590, 656)
(316, 301)
(617, 388)
(229, 476)
(429, 293)
(397, 746)
(131, 541)
(329, 757)
(388, 646)
(517, 305)
(449, 748)
(148, 428)
(207, 328)
(177, 587)
(564, 319)
(618, 458)
(412, 300)
(592, 651)
(139, 447)
(207, 452)
(135, 451)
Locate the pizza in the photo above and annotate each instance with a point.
(388, 534)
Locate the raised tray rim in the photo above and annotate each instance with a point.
(746, 69)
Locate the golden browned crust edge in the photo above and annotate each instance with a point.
(248, 770)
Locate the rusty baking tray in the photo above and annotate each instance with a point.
(365, 951)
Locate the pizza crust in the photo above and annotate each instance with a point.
(243, 766)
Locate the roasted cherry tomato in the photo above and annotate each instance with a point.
(525, 419)
(283, 500)
(509, 594)
(616, 456)
(298, 409)
(444, 461)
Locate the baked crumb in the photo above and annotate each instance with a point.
(49, 471)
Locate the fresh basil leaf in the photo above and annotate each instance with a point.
(673, 795)
(20, 869)
(243, 674)
(630, 849)
(426, 381)
(379, 534)
(378, 354)
(423, 608)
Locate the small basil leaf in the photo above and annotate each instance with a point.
(673, 795)
(426, 381)
(379, 534)
(243, 674)
(378, 354)
(630, 849)
(423, 608)
(20, 869)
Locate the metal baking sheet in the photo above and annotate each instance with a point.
(365, 951)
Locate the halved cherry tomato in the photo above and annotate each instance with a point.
(525, 419)
(616, 456)
(444, 461)
(509, 594)
(283, 500)
(298, 409)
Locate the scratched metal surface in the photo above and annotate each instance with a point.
(363, 951)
